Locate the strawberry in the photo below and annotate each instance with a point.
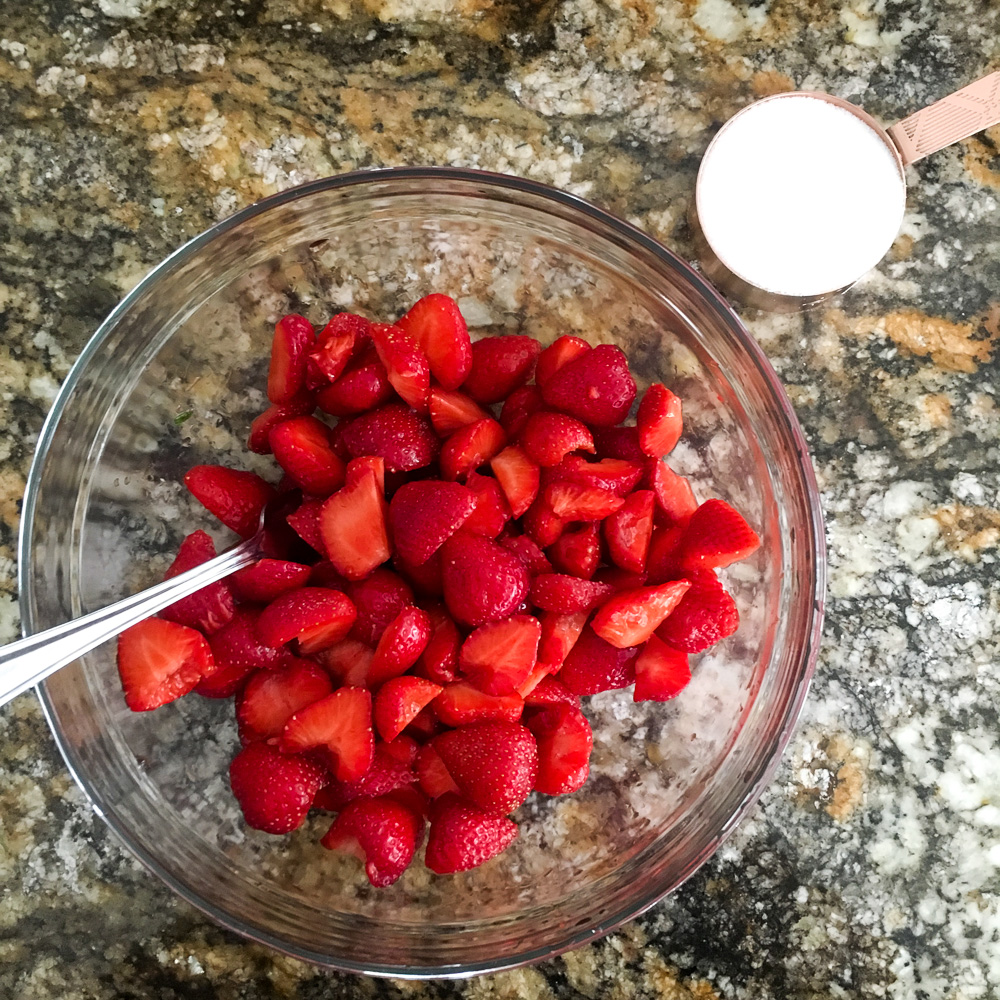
(341, 722)
(659, 421)
(425, 578)
(620, 443)
(567, 595)
(499, 656)
(548, 437)
(549, 691)
(353, 524)
(661, 673)
(499, 366)
(269, 578)
(632, 616)
(706, 615)
(594, 665)
(560, 633)
(424, 514)
(272, 697)
(595, 387)
(483, 582)
(404, 639)
(259, 440)
(158, 661)
(439, 660)
(470, 447)
(558, 354)
(462, 702)
(564, 741)
(538, 673)
(316, 617)
(358, 467)
(302, 448)
(629, 529)
(274, 790)
(336, 345)
(578, 552)
(716, 536)
(620, 579)
(463, 837)
(432, 775)
(207, 609)
(235, 498)
(378, 599)
(392, 769)
(662, 563)
(293, 340)
(493, 763)
(304, 521)
(406, 365)
(348, 662)
(450, 411)
(436, 325)
(573, 502)
(527, 551)
(674, 495)
(612, 474)
(237, 653)
(541, 524)
(491, 513)
(517, 407)
(399, 701)
(403, 438)
(363, 386)
(518, 477)
(381, 832)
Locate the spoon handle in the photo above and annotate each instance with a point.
(25, 663)
(954, 117)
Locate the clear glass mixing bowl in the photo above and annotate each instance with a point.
(172, 379)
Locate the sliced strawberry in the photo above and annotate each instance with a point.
(463, 837)
(363, 386)
(436, 325)
(578, 552)
(594, 665)
(403, 438)
(336, 343)
(674, 495)
(274, 790)
(357, 467)
(548, 437)
(564, 739)
(706, 615)
(269, 578)
(399, 701)
(518, 477)
(716, 536)
(471, 447)
(573, 502)
(237, 653)
(158, 661)
(236, 498)
(404, 639)
(424, 514)
(353, 524)
(425, 726)
(629, 529)
(483, 582)
(619, 443)
(379, 598)
(259, 440)
(528, 552)
(549, 691)
(566, 594)
(499, 366)
(661, 673)
(304, 521)
(406, 365)
(392, 770)
(381, 832)
(272, 697)
(432, 774)
(451, 411)
(426, 578)
(560, 633)
(348, 662)
(659, 421)
(517, 407)
(439, 660)
(462, 702)
(632, 616)
(342, 724)
(558, 354)
(491, 512)
(615, 475)
(317, 618)
(539, 672)
(541, 524)
(595, 387)
(207, 609)
(293, 340)
(499, 656)
(621, 579)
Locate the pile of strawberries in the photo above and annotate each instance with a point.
(477, 542)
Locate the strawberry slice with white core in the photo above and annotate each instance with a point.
(564, 739)
(272, 697)
(463, 837)
(342, 723)
(353, 525)
(461, 703)
(293, 339)
(632, 616)
(436, 325)
(659, 421)
(399, 701)
(573, 502)
(661, 672)
(375, 464)
(406, 365)
(315, 616)
(451, 411)
(499, 656)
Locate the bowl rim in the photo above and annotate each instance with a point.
(643, 900)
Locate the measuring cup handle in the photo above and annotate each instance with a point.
(954, 117)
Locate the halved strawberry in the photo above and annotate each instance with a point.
(357, 467)
(403, 438)
(564, 739)
(526, 549)
(400, 647)
(341, 722)
(272, 697)
(539, 672)
(432, 774)
(348, 662)
(259, 440)
(236, 498)
(275, 790)
(560, 633)
(549, 691)
(426, 578)
(517, 407)
(424, 514)
(541, 524)
(378, 598)
(269, 578)
(207, 609)
(399, 701)
(499, 656)
(622, 579)
(293, 340)
(499, 366)
(425, 726)
(619, 443)
(483, 582)
(705, 615)
(363, 386)
(674, 495)
(463, 837)
(615, 475)
(159, 661)
(471, 447)
(594, 665)
(392, 769)
(450, 411)
(491, 512)
(573, 502)
(595, 387)
(661, 673)
(578, 551)
(549, 437)
(406, 365)
(436, 325)
(716, 536)
(316, 617)
(632, 616)
(566, 594)
(439, 660)
(659, 421)
(662, 563)
(518, 477)
(304, 521)
(557, 354)
(354, 531)
(462, 702)
(336, 343)
(629, 529)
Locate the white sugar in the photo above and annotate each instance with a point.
(799, 196)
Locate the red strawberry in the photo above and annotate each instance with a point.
(406, 365)
(353, 524)
(594, 665)
(463, 837)
(293, 340)
(425, 578)
(578, 552)
(567, 595)
(451, 411)
(548, 437)
(560, 633)
(491, 512)
(662, 563)
(620, 443)
(499, 656)
(674, 495)
(539, 672)
(595, 387)
(541, 524)
(573, 502)
(483, 582)
(403, 438)
(439, 660)
(235, 498)
(518, 477)
(348, 662)
(461, 703)
(629, 529)
(558, 354)
(400, 647)
(436, 325)
(471, 447)
(269, 578)
(337, 343)
(424, 514)
(379, 598)
(705, 615)
(259, 440)
(499, 366)
(363, 386)
(527, 551)
(493, 763)
(659, 421)
(432, 775)
(661, 673)
(517, 407)
(621, 579)
(549, 691)
(399, 701)
(302, 448)
(612, 474)
(317, 618)
(207, 609)
(358, 467)
(391, 770)
(564, 741)
(381, 832)
(632, 616)
(341, 722)
(272, 697)
(274, 790)
(304, 521)
(159, 661)
(716, 536)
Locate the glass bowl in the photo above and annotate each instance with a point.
(173, 378)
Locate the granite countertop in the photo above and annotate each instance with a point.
(870, 866)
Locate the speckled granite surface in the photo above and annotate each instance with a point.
(870, 867)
